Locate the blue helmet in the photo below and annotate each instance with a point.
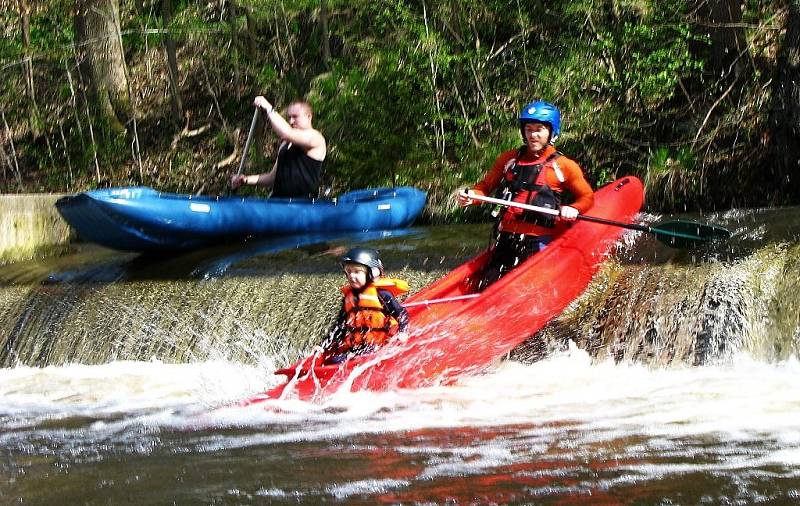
(543, 112)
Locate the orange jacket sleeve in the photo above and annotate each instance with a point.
(491, 181)
(575, 183)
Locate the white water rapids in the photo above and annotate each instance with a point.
(561, 417)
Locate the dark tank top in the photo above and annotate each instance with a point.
(297, 175)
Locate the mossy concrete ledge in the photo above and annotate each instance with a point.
(30, 227)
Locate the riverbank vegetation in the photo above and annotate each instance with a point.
(699, 98)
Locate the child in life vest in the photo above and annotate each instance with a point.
(370, 316)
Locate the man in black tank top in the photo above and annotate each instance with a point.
(298, 166)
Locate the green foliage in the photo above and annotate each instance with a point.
(221, 141)
(49, 33)
(646, 51)
(416, 92)
(664, 160)
(674, 176)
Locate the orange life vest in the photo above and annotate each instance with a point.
(367, 322)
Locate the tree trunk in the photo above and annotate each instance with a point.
(25, 21)
(729, 54)
(252, 47)
(784, 120)
(237, 81)
(324, 36)
(13, 151)
(172, 61)
(97, 28)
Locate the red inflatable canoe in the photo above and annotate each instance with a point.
(463, 335)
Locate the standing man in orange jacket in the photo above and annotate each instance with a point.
(535, 174)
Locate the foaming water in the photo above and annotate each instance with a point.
(561, 429)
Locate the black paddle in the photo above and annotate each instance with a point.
(247, 143)
(676, 234)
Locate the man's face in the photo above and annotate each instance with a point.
(536, 135)
(298, 117)
(356, 275)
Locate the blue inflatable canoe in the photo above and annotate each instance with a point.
(142, 219)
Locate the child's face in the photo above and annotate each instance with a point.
(356, 275)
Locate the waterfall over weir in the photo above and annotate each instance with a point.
(650, 304)
(694, 307)
(240, 303)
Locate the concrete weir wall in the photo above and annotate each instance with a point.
(30, 227)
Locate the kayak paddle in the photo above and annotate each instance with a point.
(249, 138)
(253, 124)
(676, 234)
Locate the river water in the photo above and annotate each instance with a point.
(598, 416)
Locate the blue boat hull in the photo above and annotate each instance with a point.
(142, 219)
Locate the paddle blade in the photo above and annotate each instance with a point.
(685, 234)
